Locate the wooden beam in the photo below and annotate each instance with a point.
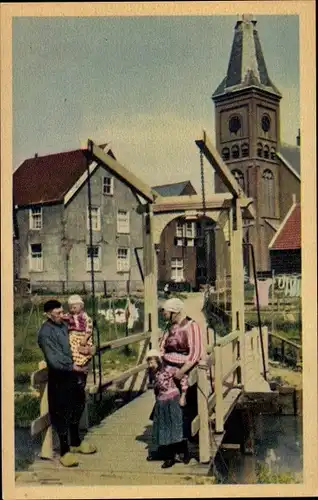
(131, 339)
(121, 172)
(220, 167)
(40, 424)
(39, 377)
(116, 380)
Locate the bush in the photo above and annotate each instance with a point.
(26, 408)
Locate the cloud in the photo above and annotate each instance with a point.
(158, 147)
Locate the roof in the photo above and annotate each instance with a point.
(288, 236)
(46, 179)
(175, 189)
(247, 67)
(290, 155)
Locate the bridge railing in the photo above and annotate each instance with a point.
(216, 396)
(39, 379)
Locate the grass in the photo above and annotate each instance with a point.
(267, 476)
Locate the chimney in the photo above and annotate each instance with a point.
(36, 155)
(298, 138)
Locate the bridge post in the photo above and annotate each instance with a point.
(47, 443)
(237, 278)
(203, 412)
(218, 382)
(150, 278)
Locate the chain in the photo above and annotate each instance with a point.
(202, 183)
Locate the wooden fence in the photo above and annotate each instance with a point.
(278, 348)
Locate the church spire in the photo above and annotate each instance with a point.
(247, 67)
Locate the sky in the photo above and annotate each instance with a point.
(144, 84)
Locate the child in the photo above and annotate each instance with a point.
(80, 327)
(167, 431)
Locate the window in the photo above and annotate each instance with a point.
(108, 186)
(36, 218)
(235, 152)
(266, 152)
(190, 233)
(259, 150)
(123, 222)
(95, 213)
(123, 261)
(239, 177)
(269, 192)
(266, 123)
(190, 230)
(273, 154)
(179, 229)
(225, 154)
(36, 257)
(245, 150)
(93, 252)
(235, 124)
(176, 269)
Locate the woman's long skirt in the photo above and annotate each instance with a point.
(167, 422)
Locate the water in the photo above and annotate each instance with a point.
(278, 448)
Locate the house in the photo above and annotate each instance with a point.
(285, 247)
(181, 255)
(247, 133)
(53, 219)
(175, 189)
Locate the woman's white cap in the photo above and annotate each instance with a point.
(75, 299)
(153, 353)
(174, 305)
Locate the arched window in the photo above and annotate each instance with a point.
(273, 154)
(235, 125)
(245, 150)
(239, 177)
(235, 151)
(269, 192)
(260, 150)
(225, 154)
(266, 152)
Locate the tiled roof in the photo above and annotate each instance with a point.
(292, 155)
(175, 189)
(247, 67)
(288, 236)
(46, 179)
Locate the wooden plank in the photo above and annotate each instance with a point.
(286, 341)
(220, 167)
(219, 410)
(228, 338)
(229, 403)
(131, 339)
(204, 430)
(116, 380)
(121, 172)
(40, 424)
(232, 370)
(39, 377)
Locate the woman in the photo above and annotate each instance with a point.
(177, 352)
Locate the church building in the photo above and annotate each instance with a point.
(247, 134)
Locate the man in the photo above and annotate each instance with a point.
(66, 385)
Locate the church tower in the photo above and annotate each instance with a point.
(247, 126)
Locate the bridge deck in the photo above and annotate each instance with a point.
(122, 439)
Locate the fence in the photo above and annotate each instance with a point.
(105, 287)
